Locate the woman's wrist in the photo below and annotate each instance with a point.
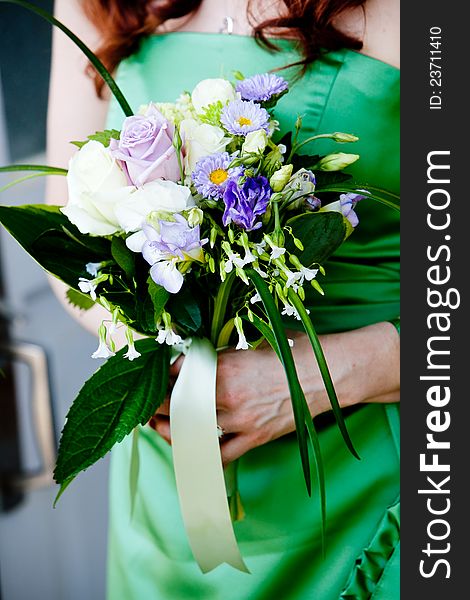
(363, 363)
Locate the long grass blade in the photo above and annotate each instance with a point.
(98, 65)
(39, 168)
(323, 366)
(296, 392)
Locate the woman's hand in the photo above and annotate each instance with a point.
(253, 401)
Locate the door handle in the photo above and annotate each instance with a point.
(34, 357)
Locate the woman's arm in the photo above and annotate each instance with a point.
(74, 112)
(253, 402)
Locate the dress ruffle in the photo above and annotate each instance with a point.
(374, 567)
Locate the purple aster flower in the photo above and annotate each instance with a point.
(240, 117)
(244, 203)
(212, 174)
(261, 88)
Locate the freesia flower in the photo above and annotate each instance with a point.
(173, 242)
(261, 87)
(212, 174)
(246, 202)
(96, 186)
(240, 117)
(345, 205)
(146, 149)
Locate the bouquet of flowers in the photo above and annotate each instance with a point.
(197, 229)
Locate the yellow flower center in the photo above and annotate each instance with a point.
(244, 121)
(218, 176)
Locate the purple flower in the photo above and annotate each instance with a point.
(244, 203)
(145, 148)
(240, 117)
(174, 242)
(345, 205)
(348, 203)
(212, 174)
(261, 87)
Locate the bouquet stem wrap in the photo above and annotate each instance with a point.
(197, 461)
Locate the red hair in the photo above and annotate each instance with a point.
(124, 23)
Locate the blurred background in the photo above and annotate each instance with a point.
(45, 553)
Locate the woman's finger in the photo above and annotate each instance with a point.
(234, 447)
(164, 408)
(161, 425)
(175, 368)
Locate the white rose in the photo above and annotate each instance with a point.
(157, 195)
(255, 142)
(96, 186)
(200, 139)
(209, 91)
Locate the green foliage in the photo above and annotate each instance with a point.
(124, 257)
(185, 310)
(212, 113)
(79, 300)
(47, 234)
(321, 234)
(159, 297)
(118, 397)
(103, 137)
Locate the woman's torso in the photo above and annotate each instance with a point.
(343, 91)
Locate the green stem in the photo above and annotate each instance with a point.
(21, 180)
(220, 307)
(323, 366)
(371, 192)
(224, 335)
(295, 147)
(40, 168)
(98, 65)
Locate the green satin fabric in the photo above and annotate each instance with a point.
(149, 555)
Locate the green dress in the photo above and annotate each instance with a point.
(149, 556)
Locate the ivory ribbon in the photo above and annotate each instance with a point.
(197, 461)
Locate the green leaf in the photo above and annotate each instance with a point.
(118, 397)
(159, 297)
(299, 402)
(323, 366)
(266, 331)
(98, 65)
(39, 168)
(305, 161)
(124, 257)
(321, 235)
(185, 310)
(79, 300)
(104, 137)
(47, 235)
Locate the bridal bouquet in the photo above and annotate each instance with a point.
(197, 229)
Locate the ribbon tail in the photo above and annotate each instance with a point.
(197, 461)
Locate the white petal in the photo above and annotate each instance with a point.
(166, 274)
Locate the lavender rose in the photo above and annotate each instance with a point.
(146, 149)
(245, 203)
